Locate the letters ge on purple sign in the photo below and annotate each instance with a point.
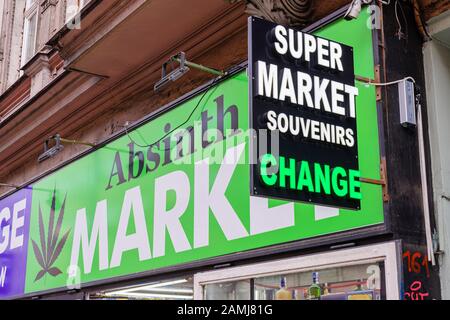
(14, 233)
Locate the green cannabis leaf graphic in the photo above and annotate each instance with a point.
(51, 247)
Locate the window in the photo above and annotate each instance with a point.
(365, 273)
(362, 282)
(358, 282)
(30, 30)
(73, 7)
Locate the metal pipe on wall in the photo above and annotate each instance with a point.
(424, 183)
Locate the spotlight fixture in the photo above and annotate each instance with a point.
(355, 9)
(50, 152)
(8, 185)
(183, 68)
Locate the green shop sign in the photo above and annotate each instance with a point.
(177, 190)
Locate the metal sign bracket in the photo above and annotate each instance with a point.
(382, 181)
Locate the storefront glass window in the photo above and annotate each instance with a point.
(359, 282)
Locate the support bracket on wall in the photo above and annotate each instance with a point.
(381, 182)
(376, 80)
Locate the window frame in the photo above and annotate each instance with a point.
(31, 9)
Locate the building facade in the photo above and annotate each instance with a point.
(107, 192)
(436, 57)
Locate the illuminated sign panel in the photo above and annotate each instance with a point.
(303, 88)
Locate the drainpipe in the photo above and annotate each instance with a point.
(423, 177)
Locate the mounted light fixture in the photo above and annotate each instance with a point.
(356, 6)
(182, 69)
(8, 185)
(355, 9)
(50, 152)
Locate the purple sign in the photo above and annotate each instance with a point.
(14, 232)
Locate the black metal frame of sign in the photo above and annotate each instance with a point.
(300, 146)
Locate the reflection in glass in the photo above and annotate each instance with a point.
(238, 290)
(344, 283)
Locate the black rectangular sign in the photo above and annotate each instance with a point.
(302, 88)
